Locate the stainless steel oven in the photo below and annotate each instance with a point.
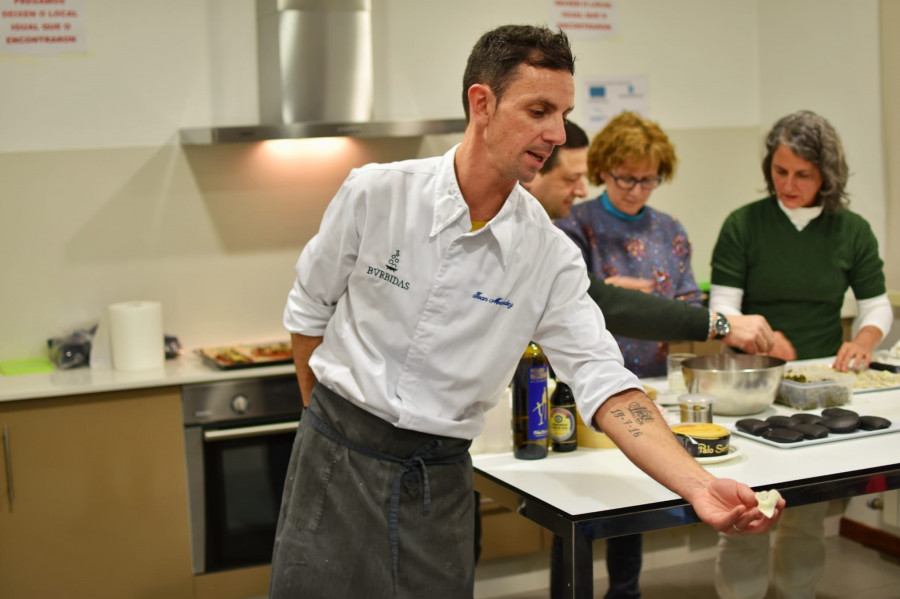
(238, 436)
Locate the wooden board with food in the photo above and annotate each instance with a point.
(247, 355)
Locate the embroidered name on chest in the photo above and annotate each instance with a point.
(497, 300)
(392, 264)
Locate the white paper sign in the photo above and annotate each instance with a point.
(585, 19)
(41, 27)
(605, 98)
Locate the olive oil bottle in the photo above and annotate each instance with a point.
(563, 432)
(531, 422)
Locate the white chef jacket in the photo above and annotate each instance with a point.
(424, 320)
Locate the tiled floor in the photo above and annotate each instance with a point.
(853, 572)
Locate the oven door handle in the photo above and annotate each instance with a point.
(250, 431)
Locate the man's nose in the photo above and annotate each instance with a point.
(581, 188)
(557, 132)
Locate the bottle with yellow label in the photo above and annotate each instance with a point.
(563, 430)
(531, 414)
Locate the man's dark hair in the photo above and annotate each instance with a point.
(575, 138)
(498, 53)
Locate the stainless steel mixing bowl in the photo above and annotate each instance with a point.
(740, 384)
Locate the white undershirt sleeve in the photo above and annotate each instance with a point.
(725, 300)
(875, 311)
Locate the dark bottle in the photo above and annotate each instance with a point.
(563, 432)
(530, 405)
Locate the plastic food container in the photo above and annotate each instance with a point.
(820, 388)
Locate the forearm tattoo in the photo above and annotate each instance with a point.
(633, 417)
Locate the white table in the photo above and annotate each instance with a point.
(597, 493)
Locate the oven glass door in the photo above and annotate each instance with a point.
(245, 470)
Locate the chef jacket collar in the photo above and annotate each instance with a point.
(450, 207)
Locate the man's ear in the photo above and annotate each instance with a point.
(481, 103)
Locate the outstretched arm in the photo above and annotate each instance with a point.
(634, 424)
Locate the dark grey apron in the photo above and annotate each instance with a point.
(370, 510)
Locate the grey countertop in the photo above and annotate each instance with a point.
(186, 369)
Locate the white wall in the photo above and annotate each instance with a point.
(832, 67)
(98, 202)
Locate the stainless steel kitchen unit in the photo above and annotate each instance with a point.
(238, 436)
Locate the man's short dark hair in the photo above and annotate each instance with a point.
(498, 53)
(575, 138)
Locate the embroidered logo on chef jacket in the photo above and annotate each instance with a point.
(497, 300)
(393, 262)
(392, 265)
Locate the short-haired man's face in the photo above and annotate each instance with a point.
(558, 188)
(525, 125)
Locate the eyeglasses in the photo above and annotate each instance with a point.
(628, 183)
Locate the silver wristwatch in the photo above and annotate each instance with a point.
(721, 326)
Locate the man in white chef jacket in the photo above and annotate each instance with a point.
(412, 305)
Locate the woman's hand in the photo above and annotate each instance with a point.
(645, 285)
(857, 354)
(783, 348)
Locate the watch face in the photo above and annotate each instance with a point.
(722, 326)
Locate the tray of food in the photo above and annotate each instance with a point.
(228, 357)
(808, 428)
(872, 379)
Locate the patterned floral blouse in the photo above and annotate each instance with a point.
(648, 245)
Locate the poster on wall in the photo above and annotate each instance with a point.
(41, 27)
(584, 19)
(605, 98)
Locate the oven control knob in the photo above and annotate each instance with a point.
(240, 403)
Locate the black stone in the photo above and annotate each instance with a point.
(845, 423)
(812, 431)
(783, 435)
(752, 426)
(873, 423)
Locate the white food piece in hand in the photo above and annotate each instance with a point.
(767, 501)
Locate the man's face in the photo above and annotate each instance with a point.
(557, 189)
(528, 121)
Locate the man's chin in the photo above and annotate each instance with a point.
(527, 176)
(561, 212)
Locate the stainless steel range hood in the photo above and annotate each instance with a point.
(316, 77)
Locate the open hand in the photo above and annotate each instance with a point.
(731, 507)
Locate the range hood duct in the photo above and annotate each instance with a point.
(316, 77)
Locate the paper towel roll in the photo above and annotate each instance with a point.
(136, 335)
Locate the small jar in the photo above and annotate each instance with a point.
(696, 407)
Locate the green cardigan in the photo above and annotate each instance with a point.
(797, 279)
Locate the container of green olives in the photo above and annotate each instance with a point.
(812, 388)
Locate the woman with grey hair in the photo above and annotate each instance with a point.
(791, 257)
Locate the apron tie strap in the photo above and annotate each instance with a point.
(416, 464)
